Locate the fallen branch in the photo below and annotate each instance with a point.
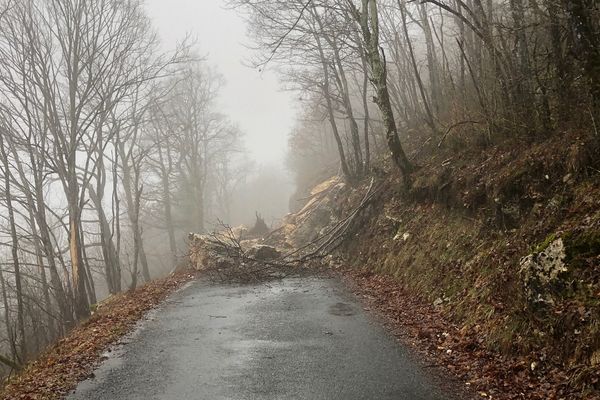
(229, 261)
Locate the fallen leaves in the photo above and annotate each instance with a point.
(459, 351)
(56, 372)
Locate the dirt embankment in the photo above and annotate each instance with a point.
(503, 245)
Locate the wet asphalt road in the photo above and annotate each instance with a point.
(301, 338)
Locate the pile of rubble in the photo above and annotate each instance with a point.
(226, 259)
(310, 235)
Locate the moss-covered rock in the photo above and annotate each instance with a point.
(559, 260)
(542, 271)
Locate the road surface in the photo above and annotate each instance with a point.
(300, 338)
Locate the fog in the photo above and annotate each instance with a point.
(252, 97)
(126, 126)
(119, 137)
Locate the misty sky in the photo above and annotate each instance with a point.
(250, 98)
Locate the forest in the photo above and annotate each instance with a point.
(113, 149)
(381, 76)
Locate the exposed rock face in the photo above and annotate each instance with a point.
(541, 272)
(318, 213)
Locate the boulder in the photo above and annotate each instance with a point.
(204, 254)
(542, 271)
(264, 253)
(318, 213)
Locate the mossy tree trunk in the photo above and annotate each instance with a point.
(368, 19)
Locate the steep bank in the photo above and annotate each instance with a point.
(504, 243)
(57, 371)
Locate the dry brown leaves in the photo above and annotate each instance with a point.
(73, 359)
(459, 351)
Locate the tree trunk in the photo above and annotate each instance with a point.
(523, 85)
(89, 279)
(57, 286)
(52, 331)
(369, 21)
(347, 103)
(581, 18)
(109, 252)
(430, 117)
(37, 235)
(342, 83)
(562, 80)
(116, 205)
(82, 306)
(7, 322)
(133, 195)
(325, 89)
(14, 250)
(166, 195)
(434, 81)
(364, 93)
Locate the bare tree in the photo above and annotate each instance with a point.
(368, 19)
(8, 198)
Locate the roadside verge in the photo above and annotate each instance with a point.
(58, 370)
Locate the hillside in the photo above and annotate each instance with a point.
(487, 269)
(501, 245)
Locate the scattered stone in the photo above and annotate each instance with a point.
(533, 366)
(404, 236)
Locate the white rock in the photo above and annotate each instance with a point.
(541, 270)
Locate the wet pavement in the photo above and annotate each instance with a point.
(299, 338)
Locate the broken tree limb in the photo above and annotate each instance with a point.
(230, 261)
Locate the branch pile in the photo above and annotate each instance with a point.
(223, 256)
(226, 257)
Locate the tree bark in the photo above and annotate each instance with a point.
(14, 250)
(369, 22)
(581, 18)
